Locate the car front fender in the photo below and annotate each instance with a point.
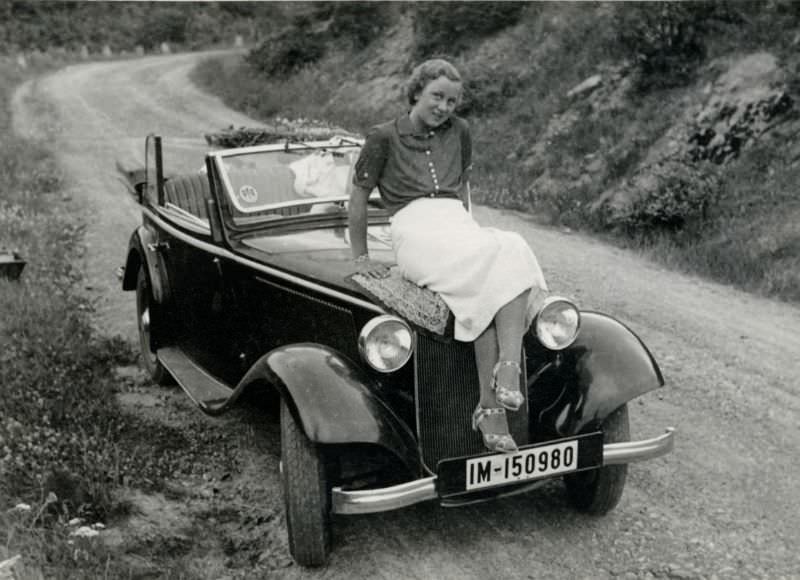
(333, 399)
(143, 248)
(607, 366)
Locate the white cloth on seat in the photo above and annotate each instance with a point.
(318, 175)
(476, 270)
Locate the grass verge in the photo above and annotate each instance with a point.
(66, 449)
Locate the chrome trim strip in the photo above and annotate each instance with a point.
(335, 141)
(384, 499)
(228, 255)
(406, 494)
(199, 223)
(632, 451)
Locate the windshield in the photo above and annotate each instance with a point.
(271, 183)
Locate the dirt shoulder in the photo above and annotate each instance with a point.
(723, 505)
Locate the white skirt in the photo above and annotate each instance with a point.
(475, 270)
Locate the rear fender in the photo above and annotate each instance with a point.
(333, 399)
(143, 247)
(607, 366)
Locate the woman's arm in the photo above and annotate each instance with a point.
(357, 224)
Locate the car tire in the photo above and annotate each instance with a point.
(148, 318)
(598, 491)
(305, 492)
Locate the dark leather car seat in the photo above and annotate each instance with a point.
(188, 192)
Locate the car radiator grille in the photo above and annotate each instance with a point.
(446, 393)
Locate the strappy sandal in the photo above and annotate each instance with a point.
(502, 442)
(511, 399)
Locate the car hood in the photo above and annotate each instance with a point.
(322, 255)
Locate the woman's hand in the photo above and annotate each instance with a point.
(371, 269)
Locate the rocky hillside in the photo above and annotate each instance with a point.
(668, 126)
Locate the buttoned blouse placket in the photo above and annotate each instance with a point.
(431, 166)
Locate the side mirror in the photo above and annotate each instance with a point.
(139, 190)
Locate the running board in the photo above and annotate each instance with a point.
(208, 393)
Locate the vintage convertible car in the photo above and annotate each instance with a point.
(243, 277)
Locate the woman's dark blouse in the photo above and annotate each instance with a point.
(405, 164)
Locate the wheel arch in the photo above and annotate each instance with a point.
(332, 398)
(606, 367)
(133, 262)
(143, 249)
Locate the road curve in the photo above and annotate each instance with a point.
(723, 505)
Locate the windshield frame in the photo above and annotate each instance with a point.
(245, 223)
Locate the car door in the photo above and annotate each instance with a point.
(195, 267)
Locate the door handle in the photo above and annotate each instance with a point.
(158, 246)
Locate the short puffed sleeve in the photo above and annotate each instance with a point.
(371, 161)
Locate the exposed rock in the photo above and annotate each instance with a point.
(585, 87)
(729, 115)
(743, 103)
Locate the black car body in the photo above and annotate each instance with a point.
(242, 276)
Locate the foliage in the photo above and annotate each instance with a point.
(450, 27)
(27, 25)
(165, 25)
(668, 39)
(360, 22)
(484, 89)
(668, 194)
(313, 28)
(288, 51)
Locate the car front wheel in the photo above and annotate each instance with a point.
(148, 321)
(305, 493)
(598, 491)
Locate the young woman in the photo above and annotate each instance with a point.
(420, 163)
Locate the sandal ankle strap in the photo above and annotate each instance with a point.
(481, 413)
(506, 363)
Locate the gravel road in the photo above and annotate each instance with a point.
(724, 504)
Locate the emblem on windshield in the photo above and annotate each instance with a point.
(248, 194)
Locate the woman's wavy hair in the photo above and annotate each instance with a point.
(426, 72)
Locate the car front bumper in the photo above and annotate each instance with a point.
(409, 493)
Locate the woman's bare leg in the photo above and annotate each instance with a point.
(486, 353)
(491, 425)
(509, 324)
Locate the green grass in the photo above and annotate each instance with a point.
(65, 446)
(747, 237)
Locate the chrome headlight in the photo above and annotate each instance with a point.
(386, 343)
(557, 323)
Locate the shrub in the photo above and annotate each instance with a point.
(287, 52)
(668, 39)
(166, 24)
(484, 89)
(361, 22)
(450, 27)
(667, 195)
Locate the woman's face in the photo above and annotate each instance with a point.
(437, 101)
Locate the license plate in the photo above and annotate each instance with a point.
(529, 463)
